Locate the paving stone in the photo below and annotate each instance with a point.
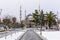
(30, 35)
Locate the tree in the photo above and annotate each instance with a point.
(51, 19)
(36, 17)
(14, 19)
(6, 21)
(42, 21)
(21, 24)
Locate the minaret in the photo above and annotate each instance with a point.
(0, 15)
(25, 14)
(39, 9)
(20, 13)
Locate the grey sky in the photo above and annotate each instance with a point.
(12, 7)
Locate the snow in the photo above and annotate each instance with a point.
(13, 36)
(50, 35)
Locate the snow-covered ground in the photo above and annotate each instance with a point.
(50, 35)
(13, 36)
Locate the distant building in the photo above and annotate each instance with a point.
(27, 22)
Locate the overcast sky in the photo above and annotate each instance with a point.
(12, 7)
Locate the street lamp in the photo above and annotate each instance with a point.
(41, 15)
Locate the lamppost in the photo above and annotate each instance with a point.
(25, 19)
(40, 20)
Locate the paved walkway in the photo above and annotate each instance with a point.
(30, 35)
